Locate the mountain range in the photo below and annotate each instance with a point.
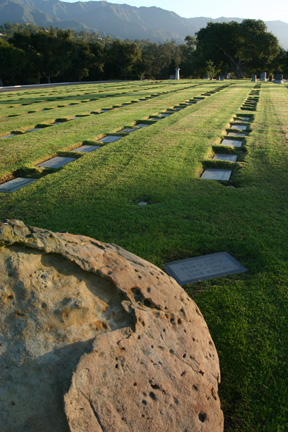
(118, 21)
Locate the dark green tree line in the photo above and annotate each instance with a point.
(30, 54)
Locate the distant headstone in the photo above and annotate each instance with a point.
(263, 76)
(222, 78)
(270, 78)
(254, 78)
(278, 79)
(177, 73)
(203, 267)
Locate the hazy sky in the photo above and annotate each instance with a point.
(266, 10)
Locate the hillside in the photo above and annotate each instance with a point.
(119, 21)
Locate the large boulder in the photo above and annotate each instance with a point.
(93, 338)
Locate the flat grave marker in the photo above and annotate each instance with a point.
(244, 118)
(110, 138)
(141, 125)
(32, 130)
(56, 162)
(15, 184)
(225, 157)
(239, 126)
(7, 136)
(128, 130)
(85, 148)
(203, 267)
(236, 134)
(231, 143)
(216, 174)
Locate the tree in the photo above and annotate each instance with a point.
(120, 58)
(239, 46)
(97, 61)
(188, 57)
(47, 52)
(211, 69)
(191, 43)
(12, 60)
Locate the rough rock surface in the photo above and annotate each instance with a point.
(94, 332)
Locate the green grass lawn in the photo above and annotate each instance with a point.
(186, 216)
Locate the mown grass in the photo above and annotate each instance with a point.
(23, 116)
(186, 216)
(32, 148)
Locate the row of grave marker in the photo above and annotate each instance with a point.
(79, 94)
(183, 271)
(85, 101)
(263, 77)
(103, 110)
(241, 126)
(218, 264)
(71, 104)
(59, 161)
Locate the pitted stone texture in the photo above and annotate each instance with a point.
(144, 355)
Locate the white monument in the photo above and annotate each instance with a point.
(177, 73)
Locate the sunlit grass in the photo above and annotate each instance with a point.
(186, 216)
